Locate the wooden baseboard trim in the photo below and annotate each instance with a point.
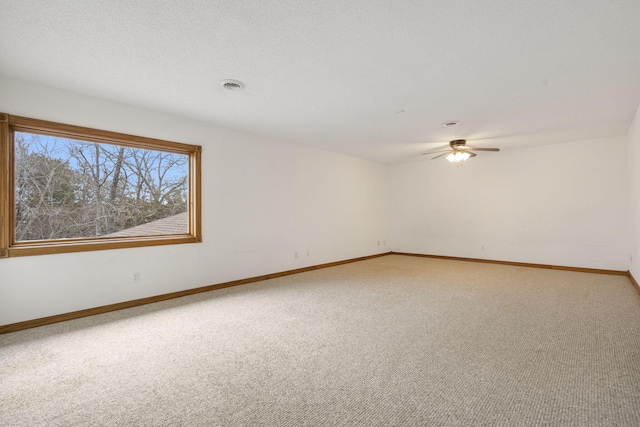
(633, 281)
(520, 264)
(28, 324)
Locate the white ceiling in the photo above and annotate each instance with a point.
(370, 78)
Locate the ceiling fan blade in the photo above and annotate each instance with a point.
(443, 154)
(483, 149)
(435, 152)
(472, 154)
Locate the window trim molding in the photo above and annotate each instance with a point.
(10, 248)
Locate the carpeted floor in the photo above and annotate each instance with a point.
(392, 341)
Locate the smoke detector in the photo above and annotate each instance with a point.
(451, 123)
(230, 84)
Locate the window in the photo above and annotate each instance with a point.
(69, 189)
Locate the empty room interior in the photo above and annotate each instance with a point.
(288, 213)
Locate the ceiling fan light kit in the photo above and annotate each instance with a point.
(458, 156)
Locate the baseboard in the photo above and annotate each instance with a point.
(633, 281)
(28, 324)
(14, 327)
(520, 264)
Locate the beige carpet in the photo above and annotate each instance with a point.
(392, 341)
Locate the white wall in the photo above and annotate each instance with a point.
(263, 200)
(634, 194)
(563, 204)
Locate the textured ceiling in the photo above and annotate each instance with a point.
(374, 79)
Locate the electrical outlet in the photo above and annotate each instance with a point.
(378, 242)
(136, 277)
(295, 255)
(308, 254)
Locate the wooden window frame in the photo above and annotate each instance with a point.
(9, 124)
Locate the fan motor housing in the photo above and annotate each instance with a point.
(457, 143)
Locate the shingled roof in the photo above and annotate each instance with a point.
(176, 224)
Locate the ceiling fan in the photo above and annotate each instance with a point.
(459, 151)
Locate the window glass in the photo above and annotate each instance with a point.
(68, 188)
